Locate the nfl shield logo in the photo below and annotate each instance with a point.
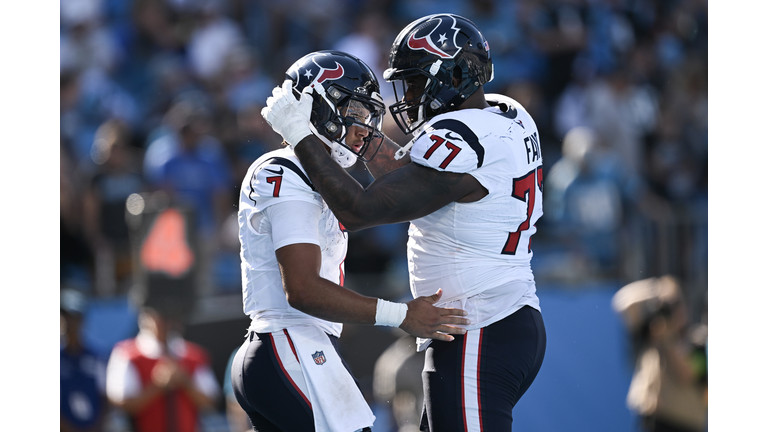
(319, 357)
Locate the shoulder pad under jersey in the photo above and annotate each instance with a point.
(448, 144)
(279, 178)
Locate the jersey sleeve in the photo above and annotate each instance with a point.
(294, 222)
(448, 145)
(280, 180)
(122, 380)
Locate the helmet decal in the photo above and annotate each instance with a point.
(329, 74)
(318, 72)
(444, 31)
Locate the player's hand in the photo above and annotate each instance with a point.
(427, 321)
(163, 374)
(287, 116)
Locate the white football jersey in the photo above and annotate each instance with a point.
(479, 253)
(278, 177)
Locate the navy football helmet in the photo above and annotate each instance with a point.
(425, 57)
(346, 94)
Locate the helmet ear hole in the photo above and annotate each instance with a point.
(456, 76)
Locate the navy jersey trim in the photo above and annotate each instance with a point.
(507, 111)
(466, 133)
(291, 166)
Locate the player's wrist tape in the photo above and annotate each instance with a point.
(390, 313)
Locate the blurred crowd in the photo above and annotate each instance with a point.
(165, 95)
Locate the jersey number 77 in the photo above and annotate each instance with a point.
(526, 188)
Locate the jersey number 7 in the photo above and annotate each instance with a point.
(277, 181)
(526, 189)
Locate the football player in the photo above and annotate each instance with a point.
(288, 374)
(471, 187)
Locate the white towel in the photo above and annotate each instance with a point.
(337, 403)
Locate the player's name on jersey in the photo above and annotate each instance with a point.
(532, 145)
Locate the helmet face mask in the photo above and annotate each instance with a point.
(454, 57)
(414, 100)
(346, 103)
(352, 115)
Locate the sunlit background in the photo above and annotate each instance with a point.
(619, 91)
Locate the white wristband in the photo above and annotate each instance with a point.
(389, 313)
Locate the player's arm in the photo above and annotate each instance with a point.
(124, 388)
(406, 193)
(135, 404)
(308, 292)
(294, 228)
(384, 161)
(201, 386)
(403, 194)
(167, 375)
(201, 400)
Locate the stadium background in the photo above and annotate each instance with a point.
(633, 73)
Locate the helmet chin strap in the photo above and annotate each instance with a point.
(406, 148)
(339, 153)
(420, 119)
(422, 113)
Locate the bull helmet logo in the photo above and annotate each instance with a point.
(440, 37)
(324, 74)
(330, 74)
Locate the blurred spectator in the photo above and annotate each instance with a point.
(167, 79)
(370, 42)
(240, 86)
(82, 387)
(668, 389)
(156, 70)
(69, 97)
(88, 99)
(73, 122)
(569, 109)
(154, 27)
(410, 10)
(255, 138)
(584, 205)
(622, 113)
(559, 32)
(193, 168)
(75, 254)
(397, 383)
(505, 40)
(320, 23)
(677, 156)
(117, 177)
(212, 40)
(245, 83)
(516, 57)
(160, 380)
(85, 42)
